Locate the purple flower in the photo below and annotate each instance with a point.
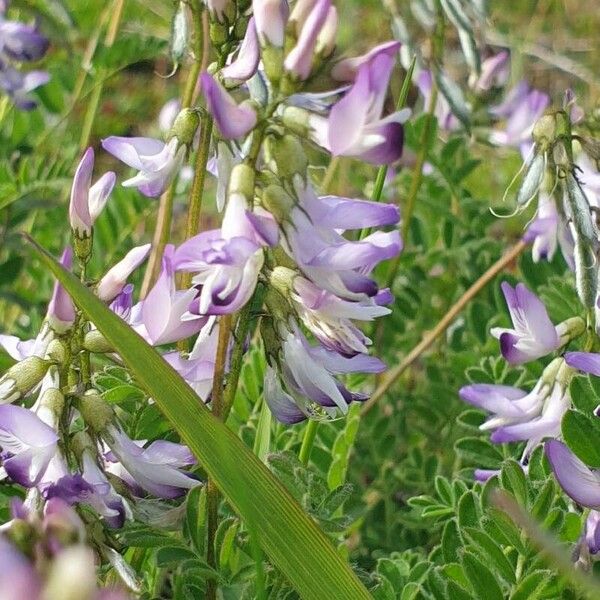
(521, 416)
(232, 120)
(494, 72)
(199, 367)
(521, 109)
(329, 318)
(20, 85)
(591, 532)
(246, 63)
(163, 309)
(309, 373)
(61, 312)
(534, 335)
(112, 284)
(578, 481)
(87, 200)
(18, 579)
(445, 118)
(298, 62)
(156, 161)
(227, 262)
(28, 444)
(345, 70)
(313, 240)
(270, 17)
(281, 404)
(217, 8)
(588, 362)
(543, 231)
(157, 468)
(356, 126)
(22, 42)
(93, 489)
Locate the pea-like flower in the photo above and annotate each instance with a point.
(534, 335)
(87, 200)
(157, 162)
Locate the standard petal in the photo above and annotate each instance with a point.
(577, 479)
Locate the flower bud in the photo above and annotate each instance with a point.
(112, 284)
(570, 329)
(297, 120)
(241, 181)
(544, 130)
(96, 412)
(278, 202)
(56, 352)
(328, 34)
(185, 126)
(286, 155)
(270, 17)
(299, 60)
(21, 378)
(61, 312)
(282, 279)
(96, 343)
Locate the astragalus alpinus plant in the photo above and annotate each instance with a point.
(180, 416)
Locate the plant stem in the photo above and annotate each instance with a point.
(308, 441)
(164, 218)
(109, 40)
(383, 169)
(212, 492)
(443, 324)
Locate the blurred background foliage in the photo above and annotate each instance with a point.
(411, 519)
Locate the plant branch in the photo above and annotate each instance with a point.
(392, 375)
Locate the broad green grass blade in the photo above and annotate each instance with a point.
(287, 535)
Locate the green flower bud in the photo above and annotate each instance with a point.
(185, 126)
(96, 412)
(95, 342)
(241, 181)
(272, 57)
(297, 120)
(286, 155)
(219, 33)
(82, 246)
(278, 202)
(22, 378)
(56, 351)
(282, 279)
(544, 131)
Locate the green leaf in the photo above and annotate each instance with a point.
(468, 513)
(583, 394)
(513, 480)
(289, 537)
(581, 433)
(451, 541)
(531, 586)
(492, 552)
(481, 578)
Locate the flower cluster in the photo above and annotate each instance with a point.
(20, 43)
(284, 250)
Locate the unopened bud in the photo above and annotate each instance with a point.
(96, 343)
(112, 284)
(278, 202)
(570, 329)
(544, 131)
(219, 33)
(185, 126)
(282, 279)
(297, 120)
(22, 378)
(96, 412)
(286, 155)
(241, 181)
(56, 351)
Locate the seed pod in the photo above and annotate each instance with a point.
(469, 49)
(586, 272)
(454, 96)
(180, 33)
(532, 180)
(579, 209)
(455, 12)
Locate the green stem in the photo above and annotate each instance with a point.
(415, 185)
(212, 492)
(383, 169)
(308, 441)
(162, 231)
